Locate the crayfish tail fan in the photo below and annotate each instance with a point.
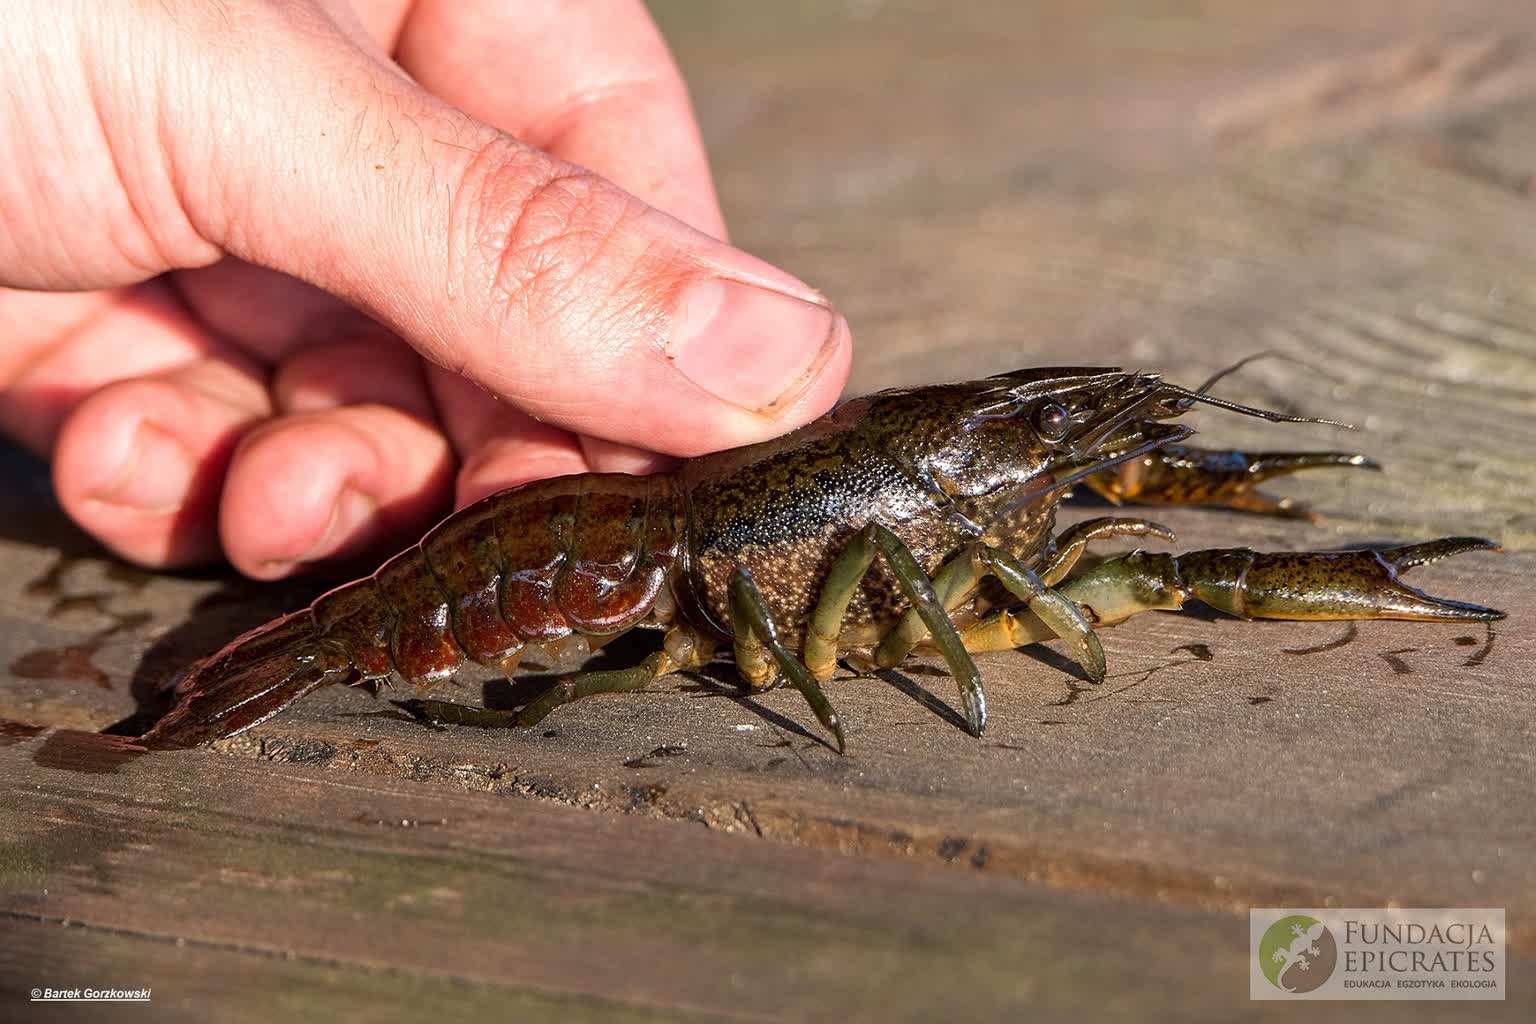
(253, 678)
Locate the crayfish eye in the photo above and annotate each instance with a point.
(1052, 421)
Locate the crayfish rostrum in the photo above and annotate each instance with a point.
(917, 518)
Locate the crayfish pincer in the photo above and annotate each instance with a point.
(918, 518)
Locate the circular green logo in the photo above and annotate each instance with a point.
(1297, 954)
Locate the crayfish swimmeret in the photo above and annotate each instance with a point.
(918, 518)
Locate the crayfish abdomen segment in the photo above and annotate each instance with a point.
(580, 554)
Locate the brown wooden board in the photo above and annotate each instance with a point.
(347, 879)
(978, 187)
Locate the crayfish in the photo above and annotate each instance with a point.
(917, 518)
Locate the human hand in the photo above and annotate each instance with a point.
(232, 231)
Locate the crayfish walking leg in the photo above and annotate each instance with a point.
(843, 579)
(757, 639)
(683, 648)
(928, 619)
(957, 580)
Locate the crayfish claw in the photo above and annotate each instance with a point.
(1394, 599)
(1329, 584)
(1277, 585)
(1184, 475)
(1409, 556)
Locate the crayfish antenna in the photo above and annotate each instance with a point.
(1226, 371)
(1249, 410)
(1267, 353)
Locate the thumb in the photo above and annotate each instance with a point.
(540, 280)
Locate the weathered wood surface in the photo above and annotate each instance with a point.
(979, 186)
(349, 884)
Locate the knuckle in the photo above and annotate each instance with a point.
(542, 241)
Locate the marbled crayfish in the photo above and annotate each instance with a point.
(912, 518)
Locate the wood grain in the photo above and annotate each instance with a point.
(551, 908)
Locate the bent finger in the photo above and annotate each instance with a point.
(140, 464)
(61, 347)
(328, 485)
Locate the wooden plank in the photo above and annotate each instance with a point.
(201, 981)
(821, 116)
(352, 874)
